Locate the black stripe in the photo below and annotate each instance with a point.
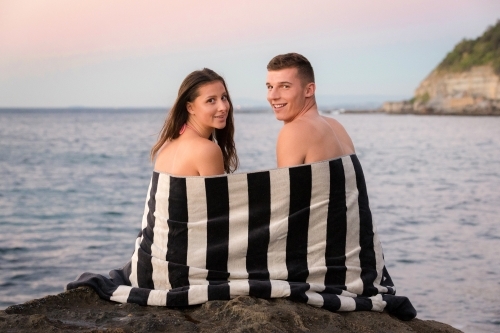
(367, 257)
(298, 223)
(363, 303)
(336, 228)
(144, 265)
(178, 297)
(219, 291)
(399, 306)
(298, 292)
(259, 216)
(177, 233)
(138, 296)
(330, 301)
(217, 196)
(260, 288)
(386, 282)
(101, 284)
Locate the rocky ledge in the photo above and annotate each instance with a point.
(81, 310)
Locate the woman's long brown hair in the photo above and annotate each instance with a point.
(178, 116)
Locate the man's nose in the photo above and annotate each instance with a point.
(272, 93)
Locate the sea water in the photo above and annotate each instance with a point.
(73, 185)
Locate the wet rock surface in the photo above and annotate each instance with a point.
(81, 310)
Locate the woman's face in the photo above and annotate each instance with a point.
(211, 107)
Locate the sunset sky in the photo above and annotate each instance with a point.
(130, 53)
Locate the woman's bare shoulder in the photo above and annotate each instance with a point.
(208, 158)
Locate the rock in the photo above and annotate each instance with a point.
(81, 310)
(466, 82)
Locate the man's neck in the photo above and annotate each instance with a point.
(310, 109)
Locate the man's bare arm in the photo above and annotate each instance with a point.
(290, 148)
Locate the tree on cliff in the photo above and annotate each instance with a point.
(484, 50)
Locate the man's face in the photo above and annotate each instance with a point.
(285, 93)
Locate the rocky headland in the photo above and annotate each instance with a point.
(81, 310)
(466, 82)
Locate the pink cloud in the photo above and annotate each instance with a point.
(61, 28)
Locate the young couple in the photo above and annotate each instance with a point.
(197, 136)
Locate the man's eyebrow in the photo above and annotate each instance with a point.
(282, 82)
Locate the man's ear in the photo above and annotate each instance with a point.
(310, 89)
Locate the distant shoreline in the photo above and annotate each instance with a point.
(327, 112)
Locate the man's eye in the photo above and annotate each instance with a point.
(269, 87)
(285, 86)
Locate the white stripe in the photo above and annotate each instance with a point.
(197, 294)
(121, 294)
(347, 294)
(160, 235)
(197, 222)
(280, 288)
(316, 287)
(144, 222)
(158, 297)
(160, 231)
(316, 234)
(278, 227)
(378, 303)
(133, 261)
(238, 226)
(238, 288)
(353, 275)
(347, 303)
(197, 276)
(160, 274)
(315, 299)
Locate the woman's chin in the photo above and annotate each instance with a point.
(220, 126)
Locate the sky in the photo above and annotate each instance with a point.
(131, 53)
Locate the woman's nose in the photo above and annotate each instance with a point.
(223, 105)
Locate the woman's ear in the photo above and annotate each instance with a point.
(189, 107)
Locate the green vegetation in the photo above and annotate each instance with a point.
(484, 50)
(422, 98)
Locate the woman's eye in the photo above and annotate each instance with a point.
(211, 100)
(224, 98)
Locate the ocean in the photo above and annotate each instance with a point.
(73, 185)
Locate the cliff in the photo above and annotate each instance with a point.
(81, 310)
(467, 81)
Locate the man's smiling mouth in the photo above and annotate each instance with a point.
(279, 106)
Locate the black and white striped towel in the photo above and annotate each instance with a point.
(302, 232)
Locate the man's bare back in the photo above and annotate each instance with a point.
(311, 138)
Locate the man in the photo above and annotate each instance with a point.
(306, 136)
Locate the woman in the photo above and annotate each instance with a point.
(197, 137)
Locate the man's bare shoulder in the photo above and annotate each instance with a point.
(341, 134)
(296, 130)
(332, 121)
(293, 143)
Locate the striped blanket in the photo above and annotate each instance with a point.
(303, 232)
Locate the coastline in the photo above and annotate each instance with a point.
(81, 310)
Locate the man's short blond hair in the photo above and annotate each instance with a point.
(293, 60)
